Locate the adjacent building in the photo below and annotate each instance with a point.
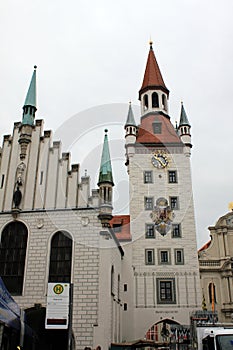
(216, 269)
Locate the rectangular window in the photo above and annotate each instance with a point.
(148, 177)
(157, 127)
(174, 203)
(149, 203)
(176, 231)
(179, 256)
(149, 257)
(166, 291)
(150, 231)
(125, 287)
(172, 176)
(164, 256)
(125, 306)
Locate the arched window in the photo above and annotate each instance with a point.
(60, 258)
(12, 256)
(155, 100)
(145, 102)
(212, 293)
(164, 102)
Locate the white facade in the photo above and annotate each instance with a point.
(54, 199)
(119, 292)
(166, 286)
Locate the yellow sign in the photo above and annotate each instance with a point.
(58, 289)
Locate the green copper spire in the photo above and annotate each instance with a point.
(105, 174)
(29, 107)
(183, 116)
(130, 118)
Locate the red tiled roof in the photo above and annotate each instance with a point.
(152, 77)
(146, 133)
(124, 221)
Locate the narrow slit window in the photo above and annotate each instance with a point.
(41, 177)
(2, 182)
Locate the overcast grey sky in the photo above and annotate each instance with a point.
(94, 53)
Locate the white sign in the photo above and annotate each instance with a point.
(57, 310)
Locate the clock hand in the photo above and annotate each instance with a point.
(159, 160)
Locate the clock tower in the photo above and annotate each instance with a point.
(162, 223)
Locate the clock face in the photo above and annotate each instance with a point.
(159, 160)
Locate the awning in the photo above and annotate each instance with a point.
(9, 309)
(137, 344)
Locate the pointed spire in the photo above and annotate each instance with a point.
(105, 173)
(29, 107)
(152, 77)
(183, 116)
(130, 118)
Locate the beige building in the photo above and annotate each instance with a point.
(125, 274)
(216, 268)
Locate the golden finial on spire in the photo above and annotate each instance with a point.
(151, 44)
(230, 206)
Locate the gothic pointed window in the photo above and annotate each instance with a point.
(60, 258)
(155, 100)
(12, 256)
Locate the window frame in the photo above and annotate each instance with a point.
(160, 260)
(13, 251)
(168, 290)
(176, 228)
(181, 262)
(149, 227)
(157, 127)
(148, 177)
(152, 262)
(146, 206)
(61, 253)
(172, 177)
(171, 200)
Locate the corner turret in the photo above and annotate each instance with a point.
(184, 131)
(105, 184)
(130, 134)
(29, 110)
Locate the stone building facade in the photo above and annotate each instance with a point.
(126, 273)
(162, 223)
